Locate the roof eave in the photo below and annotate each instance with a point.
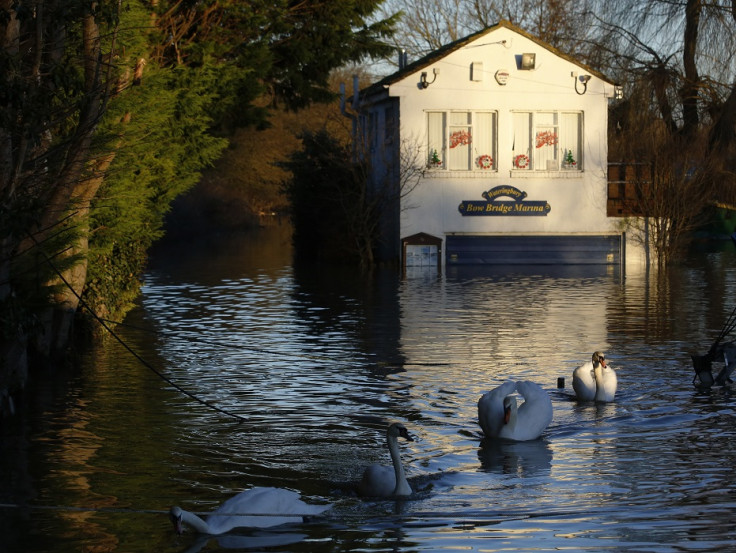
(425, 61)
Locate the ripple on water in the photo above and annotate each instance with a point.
(317, 364)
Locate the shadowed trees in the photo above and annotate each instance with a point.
(111, 109)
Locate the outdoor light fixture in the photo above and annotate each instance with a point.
(618, 92)
(423, 78)
(528, 62)
(583, 79)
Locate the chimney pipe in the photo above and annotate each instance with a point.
(402, 58)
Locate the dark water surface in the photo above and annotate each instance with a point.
(318, 360)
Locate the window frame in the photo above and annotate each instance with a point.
(537, 129)
(454, 133)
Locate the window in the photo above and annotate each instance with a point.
(547, 141)
(461, 140)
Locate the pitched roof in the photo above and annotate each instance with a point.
(443, 51)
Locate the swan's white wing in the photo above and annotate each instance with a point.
(263, 501)
(607, 385)
(377, 481)
(490, 409)
(535, 414)
(583, 382)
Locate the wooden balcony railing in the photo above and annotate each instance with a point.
(626, 184)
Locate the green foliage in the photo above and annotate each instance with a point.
(283, 49)
(162, 149)
(31, 270)
(308, 43)
(160, 154)
(126, 148)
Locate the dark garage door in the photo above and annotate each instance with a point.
(538, 250)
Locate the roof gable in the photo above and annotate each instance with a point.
(446, 50)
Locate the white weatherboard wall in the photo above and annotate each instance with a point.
(466, 81)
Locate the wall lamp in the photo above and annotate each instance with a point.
(583, 79)
(528, 62)
(424, 83)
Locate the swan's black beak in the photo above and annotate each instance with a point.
(404, 433)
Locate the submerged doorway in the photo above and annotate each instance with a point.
(421, 253)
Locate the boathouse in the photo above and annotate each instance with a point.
(494, 150)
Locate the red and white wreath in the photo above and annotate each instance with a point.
(521, 161)
(485, 161)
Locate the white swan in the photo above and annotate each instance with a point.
(383, 481)
(500, 417)
(234, 512)
(594, 381)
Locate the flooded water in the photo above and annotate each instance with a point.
(239, 370)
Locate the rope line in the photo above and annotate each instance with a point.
(104, 323)
(158, 373)
(192, 336)
(727, 328)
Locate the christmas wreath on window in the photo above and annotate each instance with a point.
(521, 161)
(485, 161)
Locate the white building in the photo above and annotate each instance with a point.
(511, 139)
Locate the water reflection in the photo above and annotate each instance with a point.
(523, 459)
(319, 360)
(343, 300)
(253, 542)
(518, 272)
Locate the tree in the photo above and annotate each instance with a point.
(223, 66)
(672, 184)
(54, 100)
(246, 182)
(677, 115)
(282, 52)
(426, 25)
(161, 153)
(111, 109)
(335, 209)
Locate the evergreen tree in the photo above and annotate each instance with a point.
(110, 110)
(162, 152)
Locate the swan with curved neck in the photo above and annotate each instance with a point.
(594, 380)
(500, 416)
(286, 505)
(383, 481)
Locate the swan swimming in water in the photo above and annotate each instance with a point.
(383, 481)
(594, 380)
(233, 513)
(500, 417)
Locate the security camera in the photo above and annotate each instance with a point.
(584, 79)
